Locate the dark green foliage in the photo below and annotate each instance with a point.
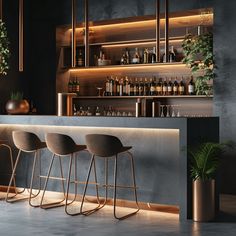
(205, 159)
(198, 55)
(4, 49)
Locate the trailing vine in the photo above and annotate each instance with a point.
(4, 49)
(198, 55)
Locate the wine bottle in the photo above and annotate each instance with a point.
(107, 90)
(172, 56)
(117, 84)
(140, 87)
(191, 87)
(121, 87)
(127, 56)
(145, 56)
(152, 87)
(136, 87)
(136, 57)
(145, 88)
(124, 88)
(153, 56)
(170, 87)
(181, 87)
(111, 86)
(77, 87)
(159, 87)
(80, 59)
(165, 88)
(70, 86)
(131, 88)
(175, 87)
(127, 86)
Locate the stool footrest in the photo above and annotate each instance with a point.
(51, 177)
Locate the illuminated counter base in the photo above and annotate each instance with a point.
(159, 147)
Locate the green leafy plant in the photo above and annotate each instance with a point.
(17, 96)
(198, 55)
(4, 49)
(205, 159)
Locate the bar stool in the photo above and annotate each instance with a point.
(29, 143)
(61, 145)
(4, 144)
(107, 146)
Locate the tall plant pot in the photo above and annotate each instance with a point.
(203, 200)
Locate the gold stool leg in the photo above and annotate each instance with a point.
(36, 156)
(53, 204)
(10, 183)
(115, 189)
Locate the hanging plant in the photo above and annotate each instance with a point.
(4, 49)
(198, 55)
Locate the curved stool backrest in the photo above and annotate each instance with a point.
(103, 145)
(26, 141)
(60, 144)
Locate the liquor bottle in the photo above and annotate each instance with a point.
(191, 89)
(124, 88)
(77, 87)
(70, 86)
(117, 84)
(136, 87)
(170, 87)
(123, 60)
(159, 87)
(107, 90)
(131, 87)
(111, 86)
(153, 56)
(165, 88)
(175, 87)
(80, 59)
(181, 87)
(140, 87)
(97, 112)
(127, 56)
(74, 110)
(145, 56)
(136, 57)
(121, 87)
(152, 87)
(172, 56)
(145, 87)
(74, 85)
(127, 86)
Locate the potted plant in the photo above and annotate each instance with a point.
(17, 105)
(4, 49)
(198, 55)
(205, 160)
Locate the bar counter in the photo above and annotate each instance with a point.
(160, 147)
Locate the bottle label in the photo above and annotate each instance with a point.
(190, 88)
(107, 87)
(181, 88)
(175, 89)
(169, 89)
(165, 89)
(152, 89)
(159, 89)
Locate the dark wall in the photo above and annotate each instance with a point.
(38, 81)
(14, 81)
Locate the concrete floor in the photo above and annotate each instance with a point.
(19, 219)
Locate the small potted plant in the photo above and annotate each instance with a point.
(17, 105)
(205, 160)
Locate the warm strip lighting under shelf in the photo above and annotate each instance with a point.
(180, 20)
(172, 41)
(130, 67)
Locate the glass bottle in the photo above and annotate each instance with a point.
(175, 87)
(136, 57)
(80, 59)
(140, 87)
(191, 87)
(172, 56)
(170, 87)
(165, 88)
(153, 56)
(152, 87)
(159, 87)
(181, 87)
